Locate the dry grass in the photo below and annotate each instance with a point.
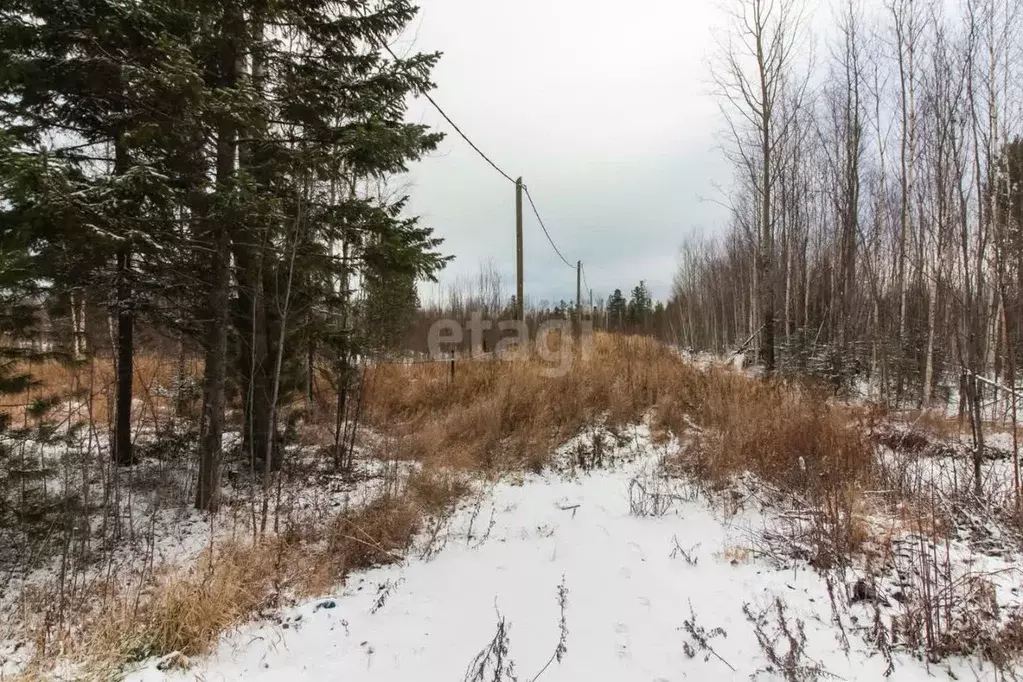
(736, 555)
(792, 437)
(186, 609)
(819, 453)
(95, 378)
(511, 414)
(491, 417)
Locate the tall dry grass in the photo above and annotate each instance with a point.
(786, 433)
(90, 385)
(186, 609)
(513, 414)
(496, 415)
(500, 414)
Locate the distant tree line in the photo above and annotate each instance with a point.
(485, 295)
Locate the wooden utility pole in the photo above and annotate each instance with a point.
(590, 307)
(518, 251)
(578, 299)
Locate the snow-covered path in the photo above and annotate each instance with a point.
(627, 599)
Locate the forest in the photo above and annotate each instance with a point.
(212, 174)
(875, 229)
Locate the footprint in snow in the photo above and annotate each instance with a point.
(637, 550)
(623, 642)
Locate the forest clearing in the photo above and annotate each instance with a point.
(726, 388)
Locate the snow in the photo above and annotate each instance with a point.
(946, 468)
(630, 589)
(159, 528)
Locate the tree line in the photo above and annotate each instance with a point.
(486, 295)
(875, 214)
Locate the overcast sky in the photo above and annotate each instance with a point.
(602, 107)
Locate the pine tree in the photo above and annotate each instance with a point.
(640, 306)
(617, 310)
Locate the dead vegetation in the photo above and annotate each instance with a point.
(88, 387)
(185, 610)
(436, 432)
(494, 662)
(496, 415)
(512, 414)
(782, 640)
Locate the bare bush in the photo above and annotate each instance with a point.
(784, 643)
(493, 662)
(701, 639)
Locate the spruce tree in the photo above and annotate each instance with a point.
(91, 89)
(205, 165)
(640, 305)
(338, 104)
(390, 306)
(616, 309)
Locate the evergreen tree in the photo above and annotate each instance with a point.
(202, 162)
(640, 305)
(22, 295)
(17, 288)
(617, 310)
(92, 89)
(659, 321)
(338, 108)
(389, 306)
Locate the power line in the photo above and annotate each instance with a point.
(587, 284)
(486, 158)
(540, 220)
(453, 124)
(464, 136)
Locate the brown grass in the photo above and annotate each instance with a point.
(95, 379)
(792, 437)
(186, 610)
(492, 416)
(511, 415)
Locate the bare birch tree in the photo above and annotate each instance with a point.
(756, 70)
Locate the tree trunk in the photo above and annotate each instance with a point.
(78, 325)
(252, 259)
(254, 361)
(215, 375)
(125, 334)
(932, 315)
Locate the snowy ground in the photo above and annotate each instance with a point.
(159, 528)
(943, 466)
(657, 583)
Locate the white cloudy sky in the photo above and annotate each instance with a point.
(603, 108)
